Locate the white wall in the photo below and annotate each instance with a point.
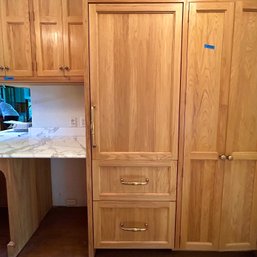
(53, 106)
(68, 181)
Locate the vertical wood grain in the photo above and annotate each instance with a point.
(135, 53)
(205, 122)
(72, 39)
(2, 72)
(239, 220)
(136, 98)
(29, 198)
(87, 95)
(16, 37)
(49, 39)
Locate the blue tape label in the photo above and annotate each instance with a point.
(209, 46)
(8, 78)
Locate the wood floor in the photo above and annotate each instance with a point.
(63, 233)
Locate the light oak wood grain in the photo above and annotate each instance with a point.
(161, 185)
(72, 37)
(29, 198)
(181, 125)
(89, 180)
(160, 218)
(16, 37)
(2, 72)
(239, 208)
(135, 79)
(49, 41)
(205, 123)
(135, 83)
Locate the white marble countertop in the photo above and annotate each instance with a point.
(43, 143)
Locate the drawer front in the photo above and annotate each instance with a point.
(134, 224)
(120, 181)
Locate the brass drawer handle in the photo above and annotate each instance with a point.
(134, 229)
(93, 125)
(134, 183)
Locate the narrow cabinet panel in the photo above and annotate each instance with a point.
(49, 42)
(2, 71)
(135, 79)
(73, 37)
(209, 53)
(16, 37)
(239, 219)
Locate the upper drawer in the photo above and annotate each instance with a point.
(147, 181)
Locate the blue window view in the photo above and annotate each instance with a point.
(15, 105)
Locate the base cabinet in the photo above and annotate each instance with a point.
(29, 194)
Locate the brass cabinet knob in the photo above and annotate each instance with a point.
(67, 68)
(61, 68)
(222, 157)
(1, 67)
(230, 157)
(7, 68)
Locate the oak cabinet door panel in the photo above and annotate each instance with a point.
(239, 219)
(49, 41)
(135, 79)
(73, 37)
(16, 37)
(209, 52)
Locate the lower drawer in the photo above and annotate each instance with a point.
(134, 224)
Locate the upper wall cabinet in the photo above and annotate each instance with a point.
(59, 37)
(15, 38)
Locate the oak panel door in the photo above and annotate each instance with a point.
(73, 37)
(239, 219)
(49, 41)
(16, 37)
(135, 79)
(209, 53)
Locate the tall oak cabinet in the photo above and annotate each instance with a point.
(135, 76)
(172, 103)
(219, 203)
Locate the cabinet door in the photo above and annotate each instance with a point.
(239, 209)
(73, 37)
(209, 53)
(135, 80)
(16, 37)
(49, 41)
